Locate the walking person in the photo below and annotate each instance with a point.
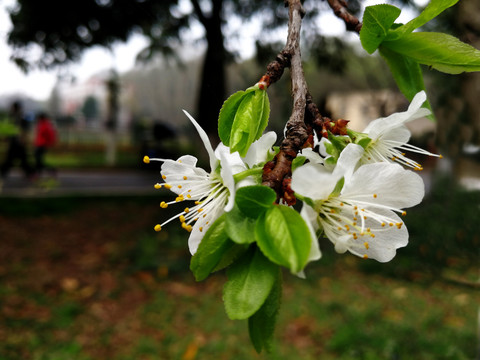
(45, 137)
(17, 144)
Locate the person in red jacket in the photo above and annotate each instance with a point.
(45, 137)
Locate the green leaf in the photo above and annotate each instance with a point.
(407, 74)
(433, 9)
(283, 237)
(254, 200)
(261, 325)
(212, 248)
(377, 21)
(250, 281)
(227, 115)
(442, 52)
(265, 104)
(240, 228)
(298, 161)
(250, 120)
(231, 254)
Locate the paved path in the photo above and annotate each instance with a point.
(81, 182)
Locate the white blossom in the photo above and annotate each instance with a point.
(357, 209)
(213, 193)
(390, 136)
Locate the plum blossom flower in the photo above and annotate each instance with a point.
(389, 136)
(213, 192)
(357, 209)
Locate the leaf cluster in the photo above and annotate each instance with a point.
(253, 241)
(405, 50)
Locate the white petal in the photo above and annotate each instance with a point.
(385, 184)
(312, 156)
(383, 246)
(399, 134)
(310, 217)
(377, 127)
(183, 173)
(347, 161)
(196, 235)
(313, 181)
(233, 161)
(206, 141)
(258, 151)
(227, 178)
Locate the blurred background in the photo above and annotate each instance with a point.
(82, 273)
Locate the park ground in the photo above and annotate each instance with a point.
(88, 278)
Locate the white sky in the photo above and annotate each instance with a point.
(38, 84)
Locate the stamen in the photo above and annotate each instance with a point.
(146, 160)
(157, 186)
(157, 227)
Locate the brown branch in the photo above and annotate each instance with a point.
(296, 133)
(339, 8)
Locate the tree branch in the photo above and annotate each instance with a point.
(339, 7)
(296, 134)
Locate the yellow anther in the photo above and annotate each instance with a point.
(157, 186)
(355, 236)
(399, 225)
(354, 224)
(368, 229)
(375, 196)
(355, 219)
(179, 186)
(391, 224)
(168, 186)
(339, 228)
(186, 210)
(365, 256)
(200, 210)
(179, 198)
(157, 227)
(164, 177)
(440, 156)
(197, 202)
(355, 207)
(196, 219)
(369, 158)
(404, 213)
(341, 204)
(180, 161)
(189, 228)
(347, 227)
(184, 225)
(163, 205)
(365, 218)
(182, 218)
(146, 160)
(372, 235)
(200, 228)
(184, 178)
(189, 196)
(383, 224)
(366, 245)
(332, 211)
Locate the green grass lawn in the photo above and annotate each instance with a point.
(86, 278)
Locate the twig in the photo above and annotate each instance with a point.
(339, 7)
(296, 133)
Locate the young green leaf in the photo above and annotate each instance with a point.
(283, 237)
(407, 74)
(443, 52)
(433, 9)
(250, 120)
(265, 105)
(227, 115)
(254, 200)
(377, 21)
(240, 228)
(211, 249)
(261, 325)
(250, 281)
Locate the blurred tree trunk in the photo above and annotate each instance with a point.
(113, 92)
(459, 106)
(212, 84)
